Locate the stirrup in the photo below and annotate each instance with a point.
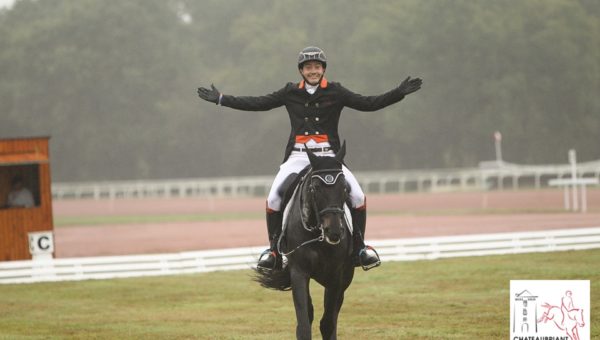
(269, 262)
(373, 260)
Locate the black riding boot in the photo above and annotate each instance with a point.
(364, 256)
(270, 259)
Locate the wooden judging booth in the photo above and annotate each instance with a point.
(25, 198)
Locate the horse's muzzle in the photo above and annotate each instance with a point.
(333, 242)
(331, 224)
(332, 232)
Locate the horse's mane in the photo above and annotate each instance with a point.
(321, 163)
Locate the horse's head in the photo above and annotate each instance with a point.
(327, 193)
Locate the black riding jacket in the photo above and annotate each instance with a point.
(313, 115)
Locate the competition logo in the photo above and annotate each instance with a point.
(549, 310)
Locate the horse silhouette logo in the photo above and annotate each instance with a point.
(566, 317)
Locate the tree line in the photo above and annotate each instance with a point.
(114, 82)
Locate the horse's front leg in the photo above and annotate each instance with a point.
(334, 298)
(302, 303)
(576, 333)
(572, 332)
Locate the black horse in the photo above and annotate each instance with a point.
(317, 243)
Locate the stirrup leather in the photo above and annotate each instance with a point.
(368, 261)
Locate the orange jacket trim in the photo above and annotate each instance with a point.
(323, 84)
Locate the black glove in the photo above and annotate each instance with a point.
(409, 86)
(211, 95)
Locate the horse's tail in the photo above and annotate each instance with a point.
(278, 279)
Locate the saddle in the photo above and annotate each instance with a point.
(287, 188)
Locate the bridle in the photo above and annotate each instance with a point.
(329, 177)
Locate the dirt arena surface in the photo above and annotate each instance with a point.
(390, 216)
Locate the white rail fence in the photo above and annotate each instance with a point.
(412, 249)
(494, 176)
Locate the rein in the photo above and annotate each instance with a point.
(318, 239)
(328, 179)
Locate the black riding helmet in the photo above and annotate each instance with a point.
(312, 53)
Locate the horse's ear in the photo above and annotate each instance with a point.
(311, 156)
(339, 156)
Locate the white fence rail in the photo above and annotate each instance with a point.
(71, 269)
(86, 268)
(432, 248)
(497, 176)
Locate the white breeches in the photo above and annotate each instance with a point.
(298, 161)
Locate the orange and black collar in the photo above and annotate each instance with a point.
(322, 84)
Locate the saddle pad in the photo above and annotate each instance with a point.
(286, 212)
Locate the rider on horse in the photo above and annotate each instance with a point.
(314, 106)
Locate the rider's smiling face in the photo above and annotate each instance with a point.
(312, 71)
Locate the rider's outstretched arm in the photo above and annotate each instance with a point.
(246, 103)
(373, 103)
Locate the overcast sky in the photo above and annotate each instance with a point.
(5, 3)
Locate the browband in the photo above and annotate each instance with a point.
(328, 178)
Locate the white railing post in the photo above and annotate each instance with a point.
(573, 163)
(567, 198)
(583, 198)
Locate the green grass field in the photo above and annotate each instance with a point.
(461, 298)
